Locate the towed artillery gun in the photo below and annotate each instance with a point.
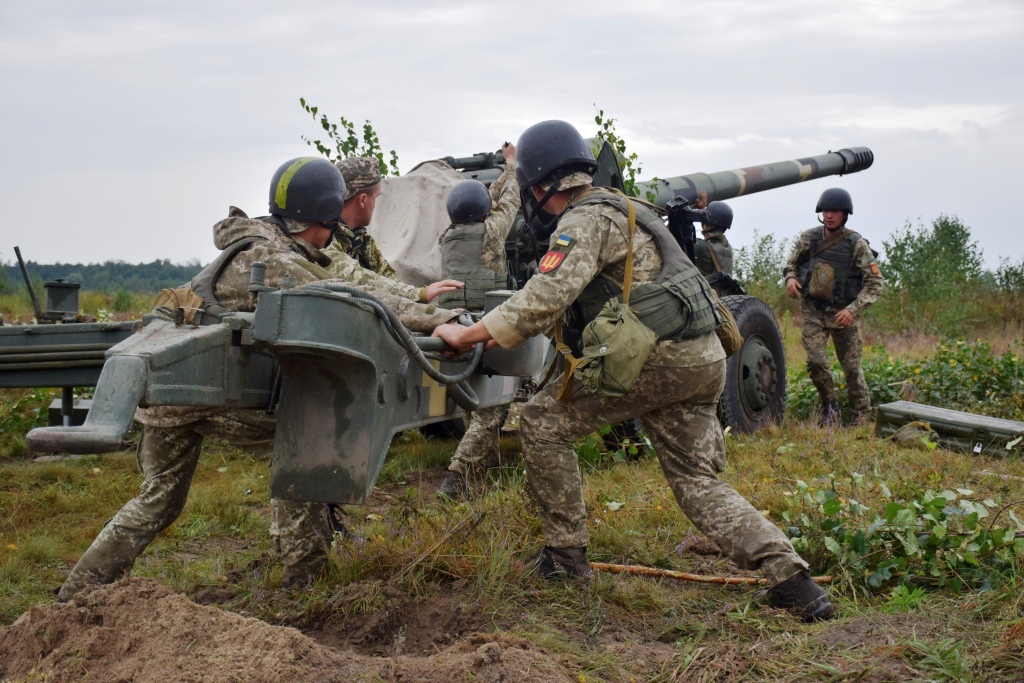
(343, 372)
(755, 388)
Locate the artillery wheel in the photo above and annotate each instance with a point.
(755, 382)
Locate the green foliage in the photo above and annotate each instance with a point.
(109, 277)
(960, 376)
(1009, 276)
(628, 161)
(20, 411)
(759, 266)
(934, 279)
(123, 301)
(944, 539)
(343, 141)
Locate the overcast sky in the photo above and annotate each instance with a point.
(128, 127)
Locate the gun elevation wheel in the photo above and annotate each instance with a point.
(755, 383)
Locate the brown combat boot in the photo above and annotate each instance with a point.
(555, 564)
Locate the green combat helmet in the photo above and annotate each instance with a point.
(835, 199)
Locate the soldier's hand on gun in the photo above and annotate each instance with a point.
(793, 287)
(442, 287)
(462, 338)
(702, 201)
(844, 318)
(508, 150)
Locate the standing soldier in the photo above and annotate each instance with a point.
(473, 250)
(713, 254)
(306, 195)
(601, 244)
(834, 272)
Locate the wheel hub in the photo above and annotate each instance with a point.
(758, 375)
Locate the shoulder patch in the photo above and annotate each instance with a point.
(554, 257)
(874, 268)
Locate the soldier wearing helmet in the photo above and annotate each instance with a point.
(473, 251)
(599, 241)
(713, 254)
(834, 273)
(306, 197)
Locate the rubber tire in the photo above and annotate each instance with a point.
(758, 326)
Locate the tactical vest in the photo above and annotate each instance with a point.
(462, 259)
(679, 304)
(848, 280)
(712, 257)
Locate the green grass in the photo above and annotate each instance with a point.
(417, 552)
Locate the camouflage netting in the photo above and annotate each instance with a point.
(139, 630)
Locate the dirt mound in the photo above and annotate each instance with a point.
(139, 630)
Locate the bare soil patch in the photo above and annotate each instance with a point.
(138, 630)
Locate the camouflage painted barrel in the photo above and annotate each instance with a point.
(742, 181)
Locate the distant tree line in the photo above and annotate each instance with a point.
(109, 277)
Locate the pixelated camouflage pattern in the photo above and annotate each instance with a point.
(817, 327)
(167, 459)
(360, 173)
(302, 538)
(478, 449)
(344, 267)
(819, 324)
(598, 233)
(577, 179)
(677, 409)
(358, 244)
(173, 435)
(862, 259)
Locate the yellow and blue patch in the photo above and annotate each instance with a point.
(554, 257)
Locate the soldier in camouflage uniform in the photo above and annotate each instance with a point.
(848, 281)
(172, 437)
(362, 188)
(354, 255)
(713, 254)
(497, 209)
(678, 386)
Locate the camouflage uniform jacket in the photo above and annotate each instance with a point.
(358, 244)
(285, 256)
(504, 194)
(343, 266)
(598, 234)
(863, 260)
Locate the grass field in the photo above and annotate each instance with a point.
(422, 575)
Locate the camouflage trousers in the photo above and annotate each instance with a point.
(167, 458)
(677, 409)
(478, 450)
(849, 350)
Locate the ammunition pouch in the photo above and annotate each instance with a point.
(822, 282)
(616, 345)
(827, 276)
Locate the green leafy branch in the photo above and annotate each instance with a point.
(629, 163)
(346, 143)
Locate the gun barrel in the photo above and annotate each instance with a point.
(742, 181)
(475, 162)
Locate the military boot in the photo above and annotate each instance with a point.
(802, 596)
(303, 574)
(554, 564)
(454, 487)
(829, 414)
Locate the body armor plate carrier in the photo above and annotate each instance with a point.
(679, 304)
(848, 280)
(462, 259)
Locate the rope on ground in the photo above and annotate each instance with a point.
(684, 576)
